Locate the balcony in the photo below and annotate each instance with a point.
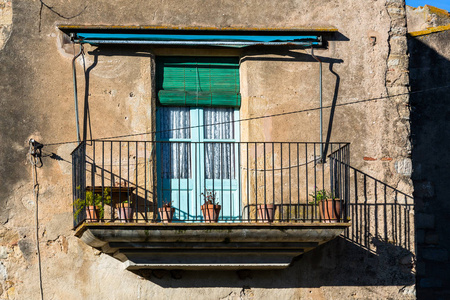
(151, 196)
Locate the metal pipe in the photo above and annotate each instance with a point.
(320, 104)
(75, 92)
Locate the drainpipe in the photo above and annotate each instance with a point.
(75, 94)
(320, 104)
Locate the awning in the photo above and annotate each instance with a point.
(198, 81)
(196, 39)
(189, 36)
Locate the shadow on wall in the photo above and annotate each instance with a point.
(371, 254)
(296, 57)
(336, 263)
(430, 132)
(375, 251)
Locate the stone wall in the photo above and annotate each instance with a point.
(363, 64)
(421, 18)
(430, 77)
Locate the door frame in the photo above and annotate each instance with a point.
(189, 189)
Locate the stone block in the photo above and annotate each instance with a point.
(395, 10)
(392, 62)
(398, 61)
(27, 248)
(430, 283)
(400, 30)
(5, 12)
(399, 44)
(403, 79)
(420, 204)
(3, 253)
(421, 268)
(420, 236)
(404, 167)
(432, 238)
(394, 3)
(398, 20)
(3, 272)
(435, 254)
(425, 221)
(396, 78)
(424, 189)
(5, 22)
(397, 90)
(408, 290)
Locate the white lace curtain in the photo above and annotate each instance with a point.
(219, 157)
(176, 156)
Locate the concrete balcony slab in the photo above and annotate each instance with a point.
(202, 246)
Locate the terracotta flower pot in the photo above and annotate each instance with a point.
(91, 213)
(125, 212)
(166, 214)
(266, 212)
(211, 212)
(330, 210)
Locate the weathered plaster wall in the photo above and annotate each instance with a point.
(430, 77)
(421, 18)
(366, 60)
(5, 21)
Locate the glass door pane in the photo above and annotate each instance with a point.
(174, 126)
(220, 159)
(219, 126)
(173, 150)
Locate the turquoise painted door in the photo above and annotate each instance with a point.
(195, 156)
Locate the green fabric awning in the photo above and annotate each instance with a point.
(198, 81)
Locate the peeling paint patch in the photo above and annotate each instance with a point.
(3, 252)
(5, 21)
(26, 247)
(404, 167)
(3, 272)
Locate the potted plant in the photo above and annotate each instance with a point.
(329, 206)
(166, 212)
(125, 211)
(266, 212)
(93, 204)
(120, 192)
(210, 209)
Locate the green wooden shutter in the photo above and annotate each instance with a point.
(198, 81)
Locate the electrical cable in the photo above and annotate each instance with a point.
(257, 118)
(34, 165)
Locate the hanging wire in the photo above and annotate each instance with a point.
(36, 162)
(259, 117)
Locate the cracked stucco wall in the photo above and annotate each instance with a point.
(366, 60)
(5, 21)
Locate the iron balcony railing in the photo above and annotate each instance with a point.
(379, 213)
(148, 181)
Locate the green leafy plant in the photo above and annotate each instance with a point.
(92, 199)
(320, 195)
(209, 197)
(167, 203)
